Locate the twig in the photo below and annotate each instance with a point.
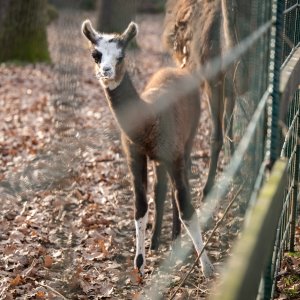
(205, 244)
(52, 289)
(97, 270)
(30, 268)
(3, 291)
(24, 208)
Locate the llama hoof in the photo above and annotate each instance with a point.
(173, 255)
(205, 192)
(140, 272)
(176, 244)
(207, 188)
(139, 264)
(208, 269)
(154, 244)
(209, 223)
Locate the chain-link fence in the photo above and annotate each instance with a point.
(64, 175)
(280, 196)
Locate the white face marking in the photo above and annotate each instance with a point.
(110, 53)
(140, 227)
(193, 228)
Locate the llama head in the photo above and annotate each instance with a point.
(108, 51)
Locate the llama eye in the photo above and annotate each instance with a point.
(120, 59)
(97, 56)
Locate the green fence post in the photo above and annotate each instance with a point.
(241, 275)
(275, 64)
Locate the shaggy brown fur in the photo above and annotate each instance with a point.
(192, 31)
(196, 32)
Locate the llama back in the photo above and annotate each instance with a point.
(168, 84)
(175, 95)
(190, 44)
(172, 87)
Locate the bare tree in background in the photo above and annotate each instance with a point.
(23, 34)
(114, 16)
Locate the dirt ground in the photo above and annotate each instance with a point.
(66, 222)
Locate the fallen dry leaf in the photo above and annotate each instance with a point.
(103, 247)
(48, 261)
(85, 227)
(40, 294)
(136, 295)
(135, 276)
(16, 281)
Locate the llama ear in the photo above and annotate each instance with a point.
(129, 33)
(90, 33)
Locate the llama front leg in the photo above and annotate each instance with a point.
(139, 172)
(188, 214)
(160, 191)
(138, 166)
(140, 229)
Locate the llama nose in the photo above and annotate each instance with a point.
(106, 70)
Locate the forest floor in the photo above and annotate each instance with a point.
(66, 221)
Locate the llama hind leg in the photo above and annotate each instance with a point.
(228, 114)
(176, 229)
(193, 228)
(216, 139)
(188, 215)
(160, 191)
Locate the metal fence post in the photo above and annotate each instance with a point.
(275, 64)
(276, 44)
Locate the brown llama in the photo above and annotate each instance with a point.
(196, 32)
(151, 126)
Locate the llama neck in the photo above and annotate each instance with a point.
(132, 113)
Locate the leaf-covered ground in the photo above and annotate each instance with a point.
(288, 277)
(76, 239)
(66, 220)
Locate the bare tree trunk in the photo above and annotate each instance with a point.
(23, 34)
(115, 15)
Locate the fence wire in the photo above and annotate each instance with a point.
(283, 52)
(57, 167)
(285, 238)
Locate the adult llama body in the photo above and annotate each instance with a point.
(195, 33)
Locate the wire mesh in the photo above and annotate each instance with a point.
(285, 239)
(55, 169)
(291, 23)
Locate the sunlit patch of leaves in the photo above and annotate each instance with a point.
(73, 236)
(288, 284)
